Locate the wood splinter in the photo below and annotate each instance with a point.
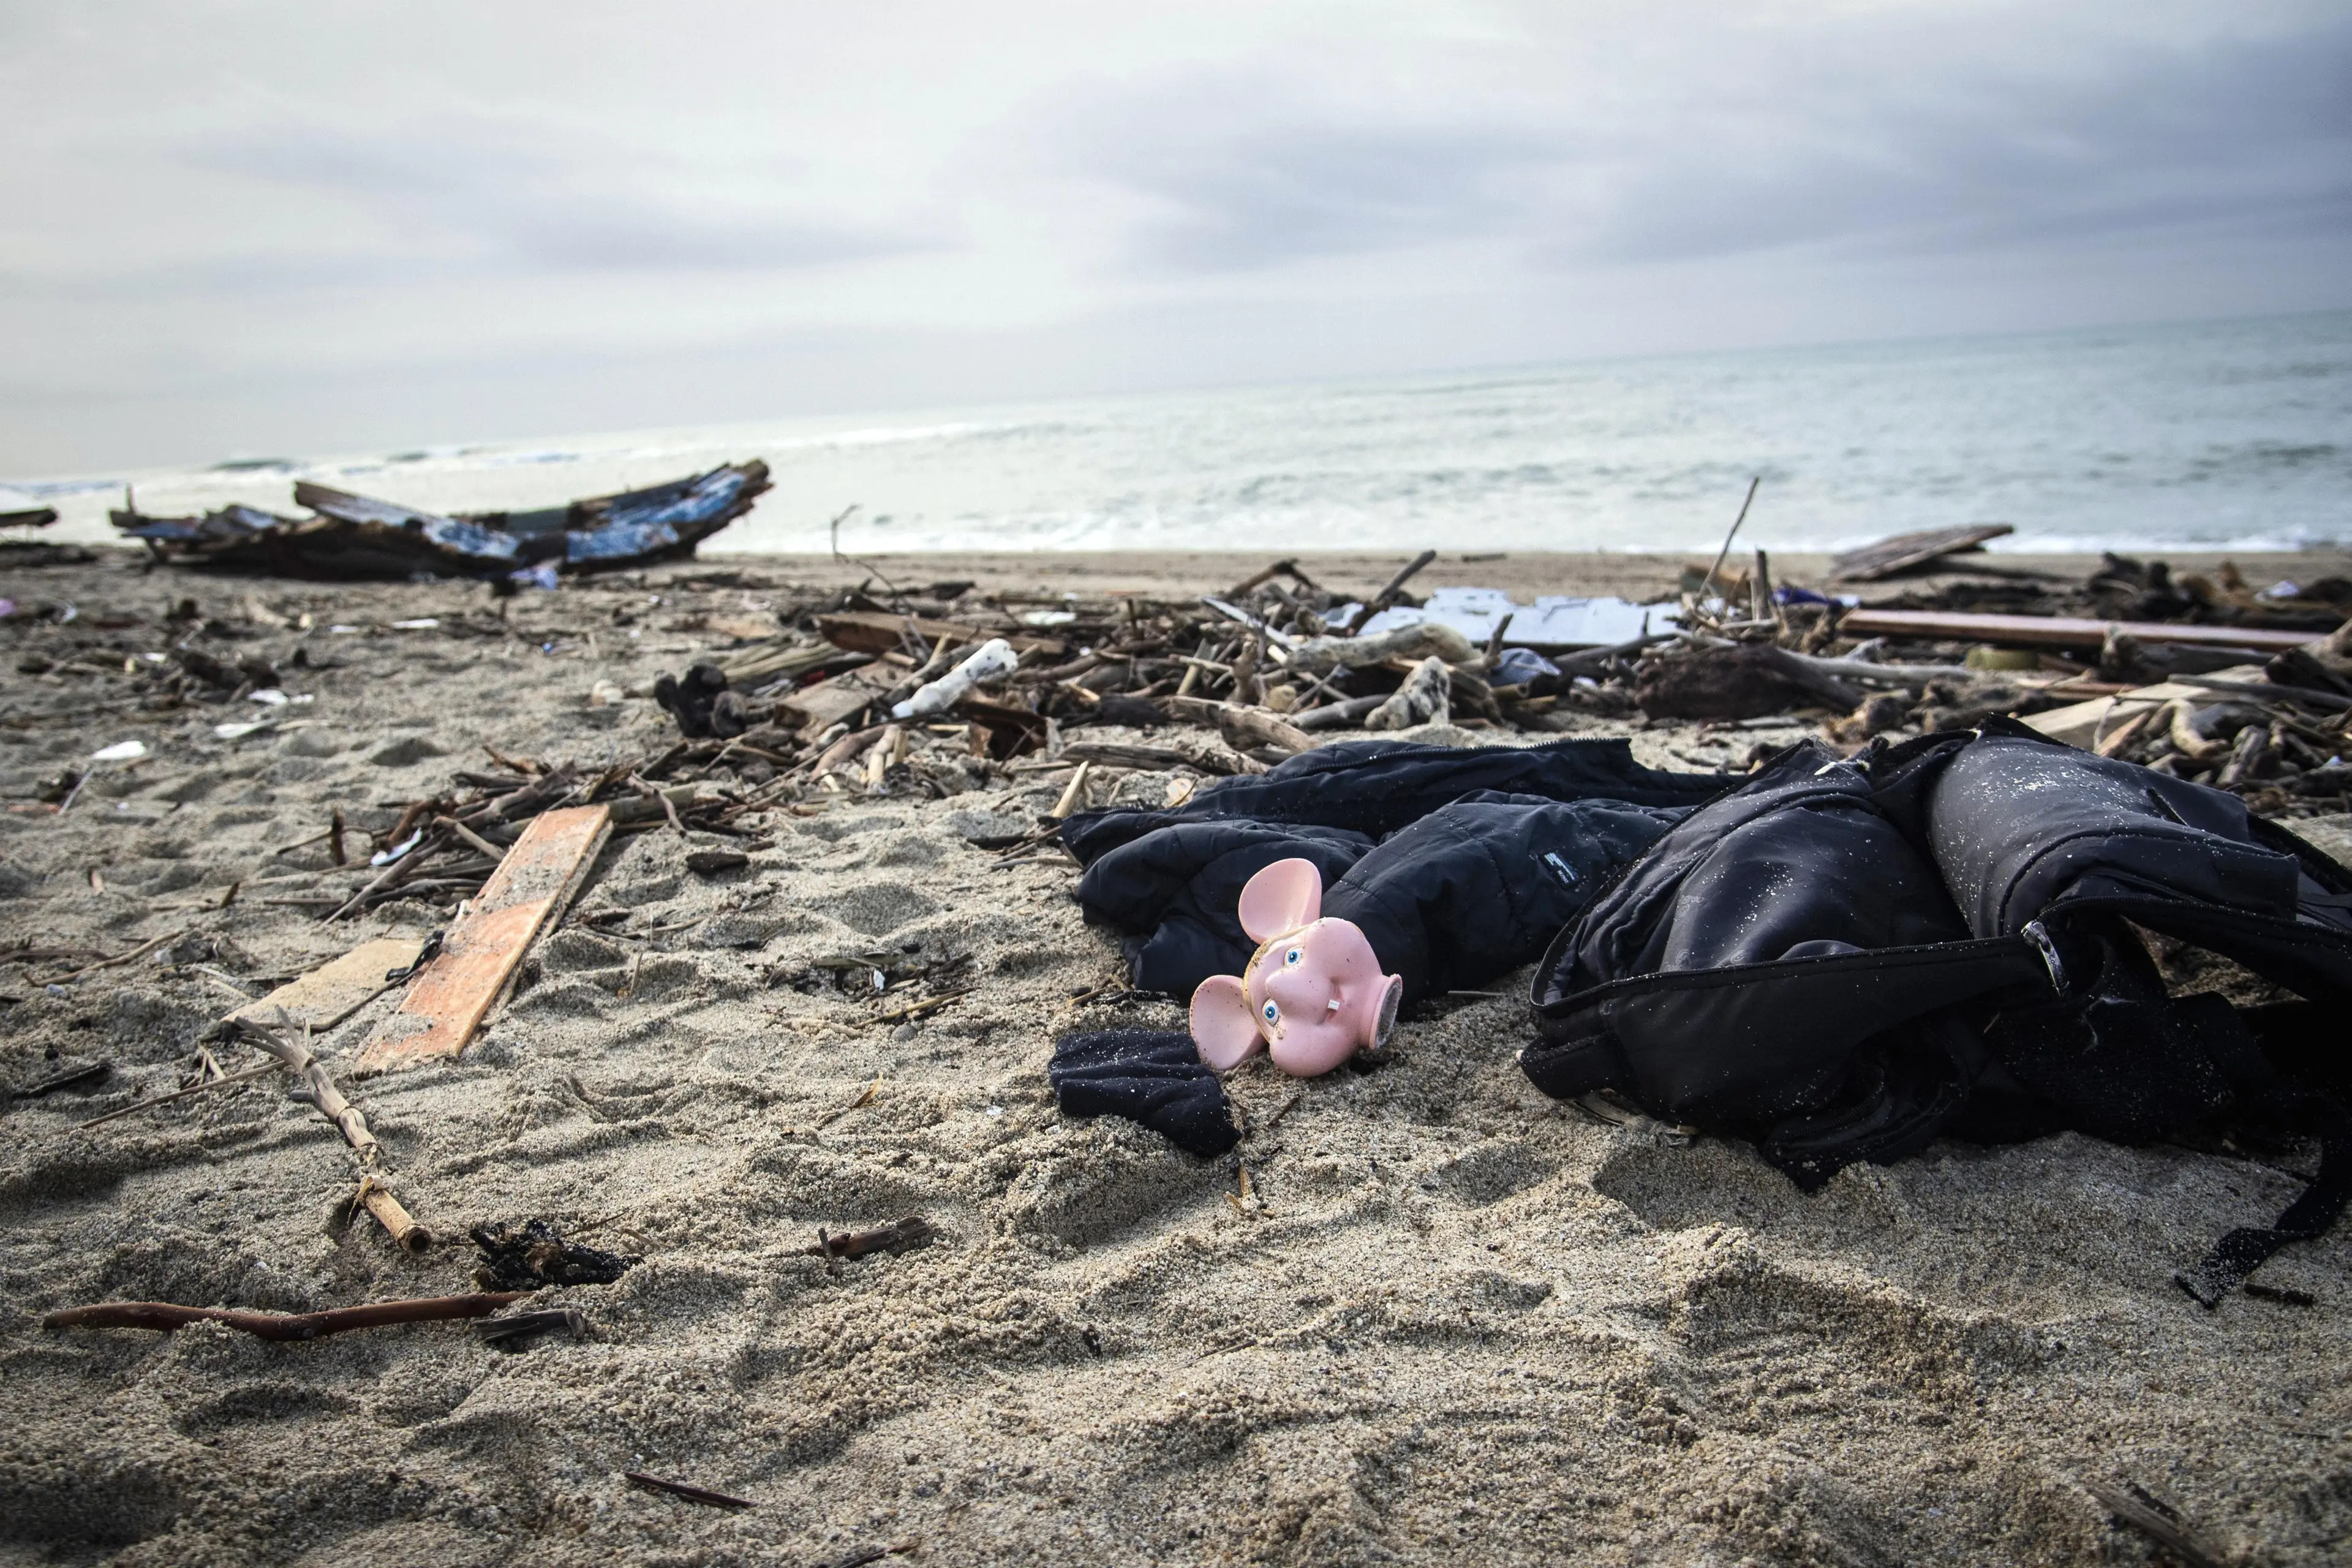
(912, 1231)
(680, 1489)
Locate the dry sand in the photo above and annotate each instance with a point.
(1461, 1323)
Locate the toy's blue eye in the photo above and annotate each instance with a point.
(1293, 956)
(1273, 1014)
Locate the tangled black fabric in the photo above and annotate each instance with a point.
(1377, 787)
(1454, 878)
(1150, 1075)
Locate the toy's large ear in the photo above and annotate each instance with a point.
(1223, 1029)
(1282, 898)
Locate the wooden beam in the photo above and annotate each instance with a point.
(1889, 556)
(447, 1003)
(2058, 631)
(870, 631)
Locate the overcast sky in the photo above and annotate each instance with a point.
(298, 229)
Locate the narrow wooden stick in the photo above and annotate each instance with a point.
(180, 1094)
(141, 951)
(680, 1489)
(1074, 793)
(495, 852)
(166, 1315)
(1709, 585)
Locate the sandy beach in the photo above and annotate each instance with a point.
(1422, 1314)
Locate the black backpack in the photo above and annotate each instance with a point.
(1845, 958)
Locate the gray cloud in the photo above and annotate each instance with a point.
(495, 199)
(1308, 185)
(2256, 133)
(1861, 156)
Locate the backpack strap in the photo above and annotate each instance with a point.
(2308, 1218)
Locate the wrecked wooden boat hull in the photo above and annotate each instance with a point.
(356, 536)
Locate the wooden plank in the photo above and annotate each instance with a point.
(2079, 723)
(335, 990)
(823, 704)
(447, 1003)
(870, 631)
(2057, 631)
(1889, 556)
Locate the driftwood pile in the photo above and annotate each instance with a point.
(826, 707)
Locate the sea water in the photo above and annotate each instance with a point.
(2231, 434)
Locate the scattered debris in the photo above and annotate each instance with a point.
(702, 703)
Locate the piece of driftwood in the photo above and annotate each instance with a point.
(314, 1087)
(1073, 793)
(911, 1232)
(869, 631)
(2285, 1295)
(1387, 596)
(1714, 568)
(1905, 551)
(447, 1003)
(331, 993)
(136, 953)
(818, 707)
(859, 1556)
(1246, 727)
(397, 1222)
(1747, 681)
(1116, 754)
(2169, 1533)
(1336, 715)
(703, 1495)
(504, 1331)
(1425, 697)
(166, 1315)
(2057, 631)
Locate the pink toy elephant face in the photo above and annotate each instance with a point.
(1314, 994)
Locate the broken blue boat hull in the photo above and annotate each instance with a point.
(355, 536)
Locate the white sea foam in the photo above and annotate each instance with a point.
(2226, 434)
